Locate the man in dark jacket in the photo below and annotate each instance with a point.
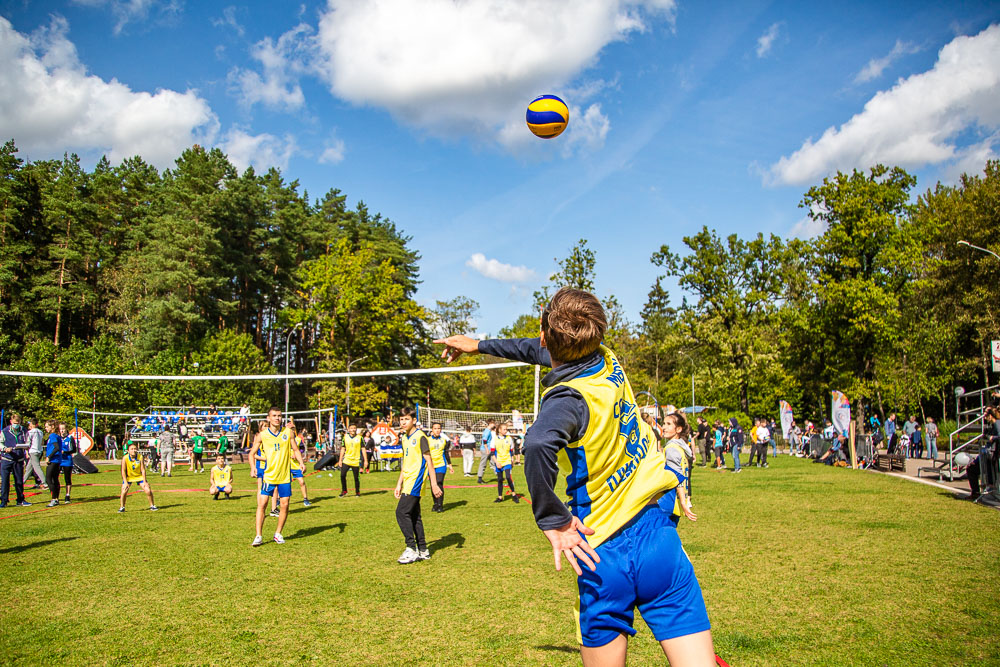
(14, 445)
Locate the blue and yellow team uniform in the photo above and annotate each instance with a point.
(260, 465)
(277, 447)
(352, 450)
(414, 466)
(296, 470)
(438, 445)
(504, 446)
(675, 451)
(221, 477)
(133, 470)
(614, 478)
(67, 445)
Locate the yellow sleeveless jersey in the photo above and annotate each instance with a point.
(352, 450)
(222, 476)
(277, 447)
(414, 466)
(437, 446)
(133, 469)
(614, 469)
(504, 446)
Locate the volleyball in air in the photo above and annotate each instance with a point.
(547, 116)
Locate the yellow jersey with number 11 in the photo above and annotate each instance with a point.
(414, 466)
(277, 448)
(221, 477)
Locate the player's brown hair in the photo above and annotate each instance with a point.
(574, 324)
(680, 422)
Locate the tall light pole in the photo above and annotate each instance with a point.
(288, 342)
(966, 243)
(349, 364)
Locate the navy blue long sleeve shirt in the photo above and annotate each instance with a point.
(562, 418)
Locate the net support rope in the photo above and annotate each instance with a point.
(286, 376)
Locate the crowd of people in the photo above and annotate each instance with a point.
(21, 455)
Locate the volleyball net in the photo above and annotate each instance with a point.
(457, 421)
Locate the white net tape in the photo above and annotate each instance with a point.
(455, 421)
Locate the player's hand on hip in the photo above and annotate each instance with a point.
(569, 541)
(455, 346)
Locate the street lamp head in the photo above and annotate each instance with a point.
(963, 242)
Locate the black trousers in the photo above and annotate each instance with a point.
(439, 501)
(16, 468)
(510, 482)
(343, 478)
(52, 479)
(706, 445)
(410, 522)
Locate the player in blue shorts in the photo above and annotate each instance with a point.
(260, 465)
(589, 426)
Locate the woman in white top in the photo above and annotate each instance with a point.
(468, 443)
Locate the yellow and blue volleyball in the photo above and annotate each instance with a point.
(547, 116)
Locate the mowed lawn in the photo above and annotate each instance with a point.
(799, 564)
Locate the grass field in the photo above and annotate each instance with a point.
(799, 564)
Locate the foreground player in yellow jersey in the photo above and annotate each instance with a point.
(412, 473)
(134, 472)
(588, 427)
(222, 478)
(278, 448)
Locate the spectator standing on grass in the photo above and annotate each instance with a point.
(771, 428)
(167, 443)
(36, 450)
(754, 444)
(53, 452)
(763, 439)
(68, 446)
(931, 435)
(718, 444)
(484, 447)
(111, 446)
(12, 448)
(891, 439)
(702, 441)
(736, 438)
(468, 443)
(909, 426)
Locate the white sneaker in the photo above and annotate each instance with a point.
(424, 555)
(408, 556)
(278, 538)
(257, 541)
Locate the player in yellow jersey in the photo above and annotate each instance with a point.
(222, 478)
(277, 445)
(351, 452)
(258, 464)
(503, 453)
(588, 428)
(412, 473)
(441, 460)
(298, 471)
(134, 472)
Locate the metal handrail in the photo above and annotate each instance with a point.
(951, 444)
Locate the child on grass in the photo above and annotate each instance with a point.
(134, 472)
(222, 478)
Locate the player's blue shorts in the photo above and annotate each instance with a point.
(297, 474)
(218, 489)
(442, 470)
(139, 482)
(506, 467)
(260, 470)
(284, 490)
(642, 565)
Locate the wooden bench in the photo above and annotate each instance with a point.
(889, 462)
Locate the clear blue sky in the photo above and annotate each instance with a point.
(684, 114)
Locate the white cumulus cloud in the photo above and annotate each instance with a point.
(876, 66)
(49, 104)
(133, 11)
(333, 151)
(917, 122)
(766, 41)
(470, 67)
(282, 63)
(259, 150)
(497, 270)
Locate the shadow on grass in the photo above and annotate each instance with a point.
(456, 540)
(315, 530)
(373, 493)
(457, 503)
(560, 649)
(40, 543)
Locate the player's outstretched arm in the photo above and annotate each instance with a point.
(568, 541)
(456, 346)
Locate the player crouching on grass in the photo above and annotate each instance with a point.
(413, 471)
(277, 446)
(222, 478)
(588, 426)
(134, 471)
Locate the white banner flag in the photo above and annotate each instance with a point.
(840, 412)
(786, 417)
